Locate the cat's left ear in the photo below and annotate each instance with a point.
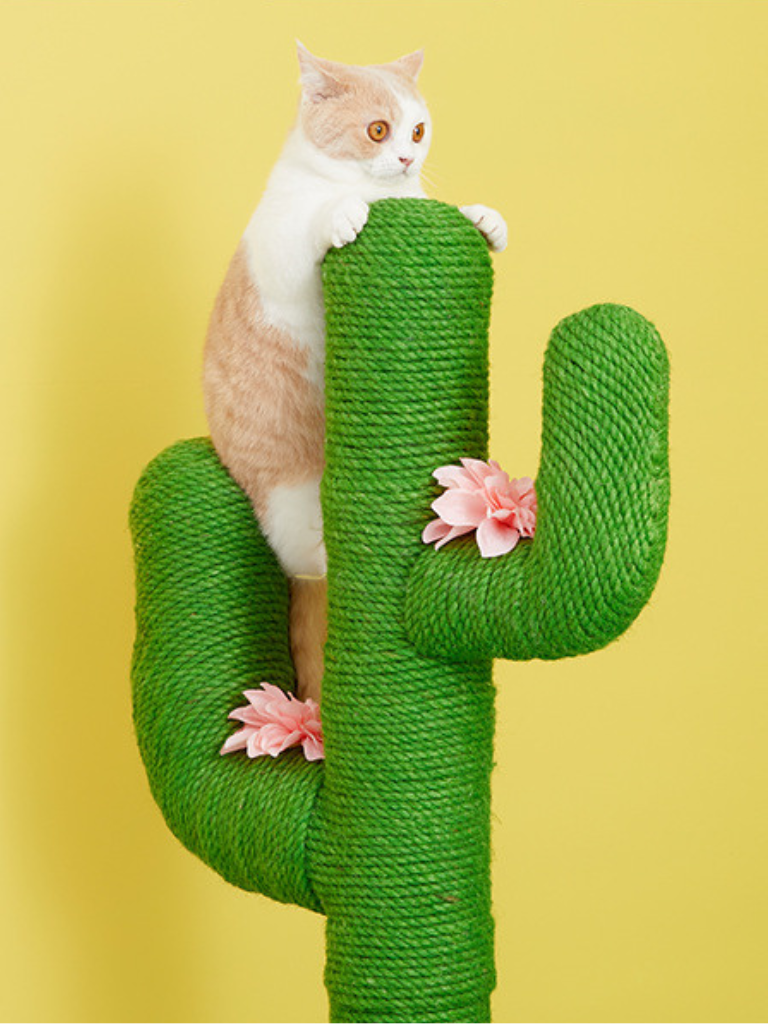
(319, 78)
(411, 64)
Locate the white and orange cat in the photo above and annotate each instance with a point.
(362, 134)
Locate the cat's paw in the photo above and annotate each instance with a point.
(293, 525)
(348, 219)
(314, 565)
(489, 223)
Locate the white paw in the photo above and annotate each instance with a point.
(293, 525)
(347, 221)
(304, 556)
(312, 565)
(490, 224)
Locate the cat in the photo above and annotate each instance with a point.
(362, 134)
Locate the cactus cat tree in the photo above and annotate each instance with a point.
(389, 836)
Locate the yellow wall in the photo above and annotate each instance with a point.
(626, 142)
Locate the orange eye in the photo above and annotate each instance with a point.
(418, 132)
(378, 131)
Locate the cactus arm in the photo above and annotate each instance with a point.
(603, 488)
(212, 613)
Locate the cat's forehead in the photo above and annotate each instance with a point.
(379, 89)
(395, 80)
(412, 106)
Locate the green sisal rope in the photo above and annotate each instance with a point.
(211, 621)
(389, 836)
(603, 494)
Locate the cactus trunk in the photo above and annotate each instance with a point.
(400, 851)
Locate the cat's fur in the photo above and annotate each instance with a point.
(264, 356)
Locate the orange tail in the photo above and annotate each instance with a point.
(309, 624)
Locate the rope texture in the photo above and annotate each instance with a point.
(399, 850)
(212, 620)
(390, 835)
(603, 490)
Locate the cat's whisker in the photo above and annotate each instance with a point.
(435, 186)
(433, 171)
(432, 177)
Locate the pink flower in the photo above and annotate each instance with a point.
(273, 721)
(480, 496)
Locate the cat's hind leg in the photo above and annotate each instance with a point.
(293, 524)
(309, 629)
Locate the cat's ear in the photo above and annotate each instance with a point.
(318, 78)
(411, 63)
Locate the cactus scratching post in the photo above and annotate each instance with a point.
(389, 837)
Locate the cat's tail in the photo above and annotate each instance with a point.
(309, 626)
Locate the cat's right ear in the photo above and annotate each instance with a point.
(411, 63)
(318, 81)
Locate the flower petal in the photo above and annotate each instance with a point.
(460, 508)
(478, 469)
(441, 532)
(254, 748)
(505, 515)
(453, 533)
(313, 748)
(496, 538)
(497, 482)
(248, 715)
(265, 690)
(454, 476)
(525, 520)
(434, 530)
(237, 741)
(273, 739)
(522, 488)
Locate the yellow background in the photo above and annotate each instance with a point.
(626, 143)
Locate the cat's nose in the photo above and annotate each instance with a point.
(407, 160)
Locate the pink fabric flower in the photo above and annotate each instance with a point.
(273, 721)
(480, 496)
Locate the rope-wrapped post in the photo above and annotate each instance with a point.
(400, 851)
(389, 837)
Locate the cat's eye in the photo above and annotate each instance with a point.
(418, 132)
(378, 131)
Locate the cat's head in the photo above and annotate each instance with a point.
(371, 115)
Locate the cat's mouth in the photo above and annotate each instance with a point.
(405, 172)
(394, 173)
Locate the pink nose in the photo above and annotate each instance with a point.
(407, 160)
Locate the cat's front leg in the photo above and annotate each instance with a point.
(489, 223)
(340, 222)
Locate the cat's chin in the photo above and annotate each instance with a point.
(394, 179)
